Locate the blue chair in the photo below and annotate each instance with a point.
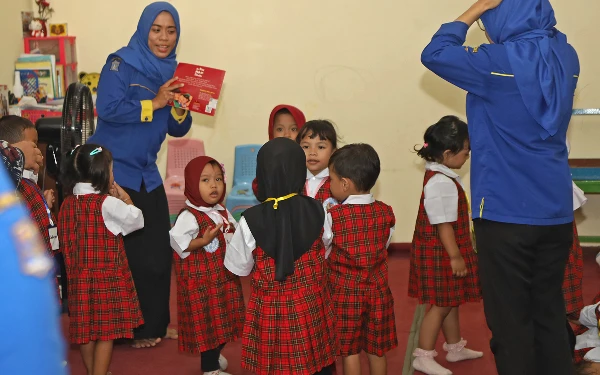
(241, 196)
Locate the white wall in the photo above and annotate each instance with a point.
(354, 62)
(11, 37)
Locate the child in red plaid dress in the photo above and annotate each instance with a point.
(210, 304)
(285, 121)
(443, 265)
(572, 284)
(14, 129)
(318, 139)
(290, 327)
(103, 302)
(359, 235)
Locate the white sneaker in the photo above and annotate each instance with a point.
(223, 363)
(598, 259)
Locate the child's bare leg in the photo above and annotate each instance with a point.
(102, 357)
(172, 334)
(451, 327)
(351, 364)
(425, 354)
(431, 325)
(455, 345)
(87, 354)
(377, 365)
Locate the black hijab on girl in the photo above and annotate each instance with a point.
(285, 229)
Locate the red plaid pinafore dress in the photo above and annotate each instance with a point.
(431, 279)
(572, 288)
(210, 303)
(358, 275)
(34, 198)
(290, 326)
(103, 302)
(580, 330)
(323, 192)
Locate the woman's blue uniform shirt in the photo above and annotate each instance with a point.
(28, 293)
(516, 176)
(129, 128)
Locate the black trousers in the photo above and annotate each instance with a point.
(149, 255)
(522, 269)
(209, 360)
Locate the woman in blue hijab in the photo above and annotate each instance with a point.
(133, 121)
(519, 103)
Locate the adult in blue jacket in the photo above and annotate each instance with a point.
(519, 103)
(29, 293)
(133, 121)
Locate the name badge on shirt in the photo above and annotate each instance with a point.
(53, 234)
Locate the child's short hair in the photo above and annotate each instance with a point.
(323, 129)
(12, 128)
(88, 163)
(358, 162)
(450, 133)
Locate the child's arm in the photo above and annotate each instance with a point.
(327, 234)
(441, 206)
(183, 235)
(457, 262)
(238, 256)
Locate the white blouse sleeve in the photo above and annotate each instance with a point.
(579, 198)
(120, 217)
(392, 229)
(441, 200)
(327, 234)
(238, 256)
(587, 316)
(183, 232)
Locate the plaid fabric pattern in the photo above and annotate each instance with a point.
(33, 197)
(572, 287)
(358, 274)
(430, 278)
(103, 302)
(210, 303)
(290, 326)
(324, 191)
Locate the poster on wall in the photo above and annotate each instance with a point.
(201, 90)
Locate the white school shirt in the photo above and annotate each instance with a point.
(313, 183)
(186, 227)
(119, 217)
(579, 198)
(352, 199)
(238, 257)
(590, 338)
(441, 195)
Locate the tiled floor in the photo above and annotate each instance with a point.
(164, 359)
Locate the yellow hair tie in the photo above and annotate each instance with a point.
(277, 200)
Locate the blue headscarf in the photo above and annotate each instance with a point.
(138, 54)
(541, 59)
